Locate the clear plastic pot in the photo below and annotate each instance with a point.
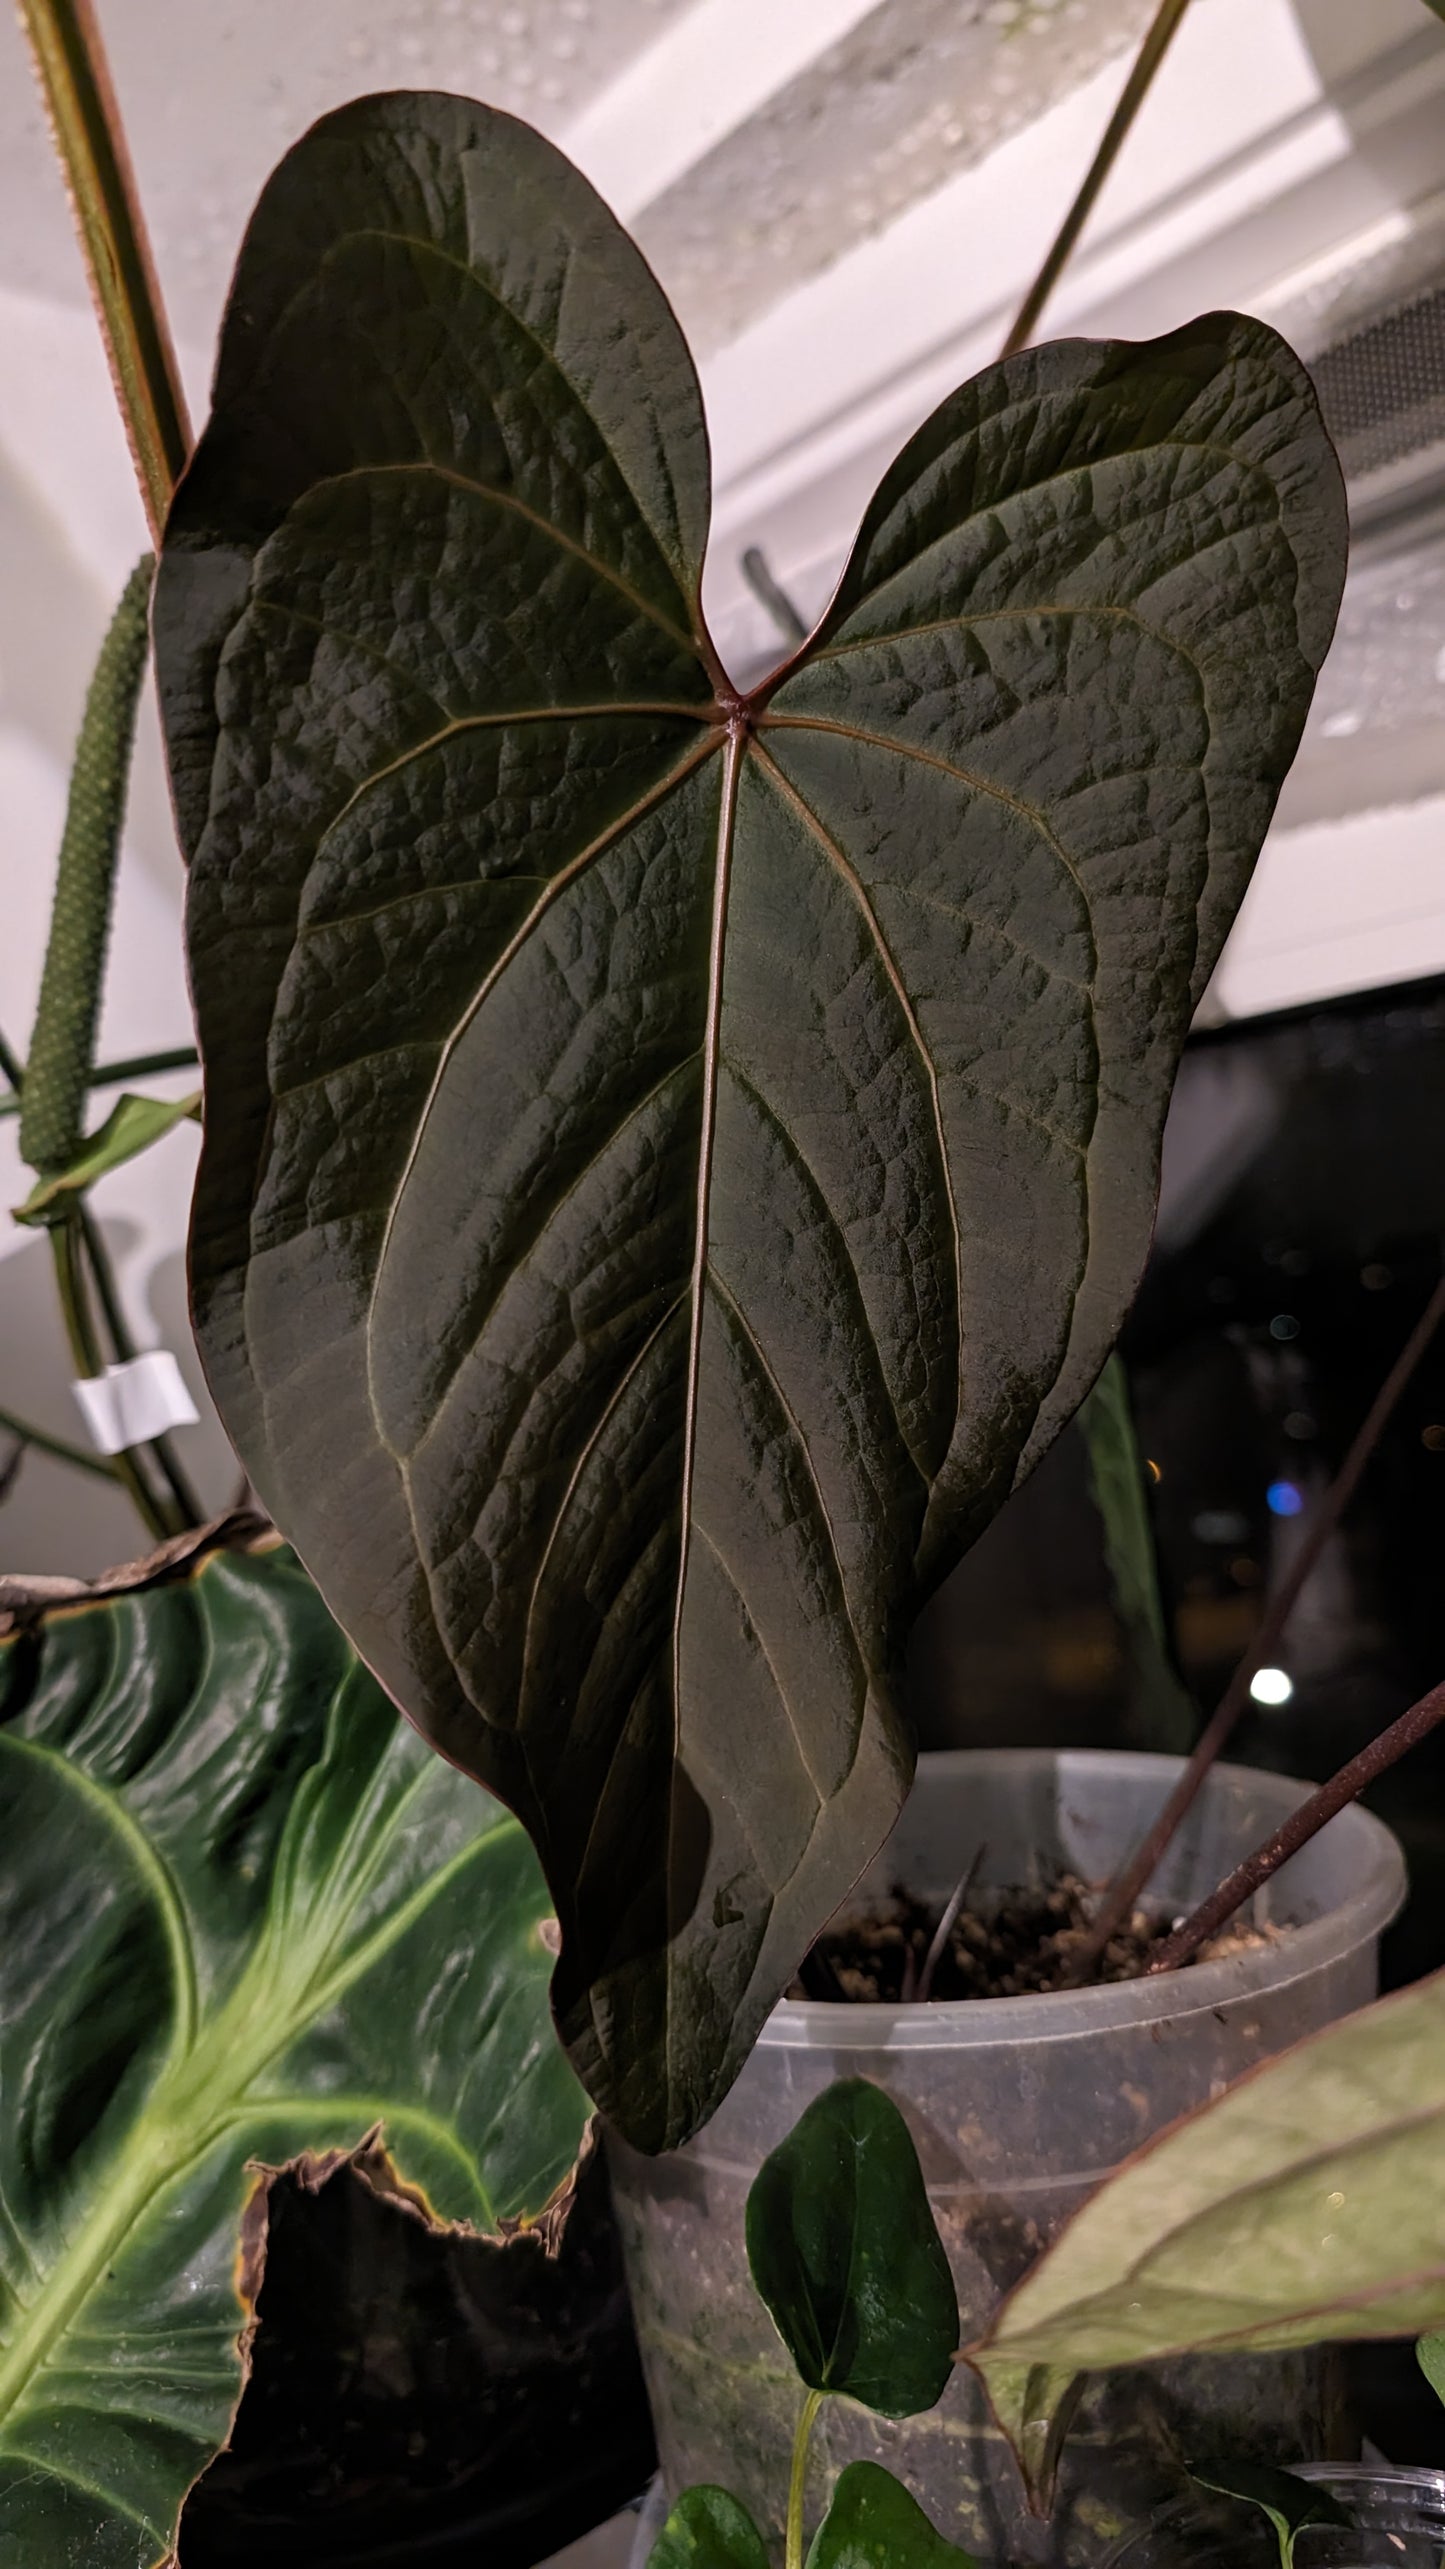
(1018, 2107)
(1398, 2522)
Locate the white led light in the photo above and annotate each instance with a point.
(1271, 1686)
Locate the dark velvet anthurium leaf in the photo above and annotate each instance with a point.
(845, 2252)
(674, 1161)
(1289, 2502)
(873, 2523)
(1299, 2207)
(708, 2529)
(247, 1922)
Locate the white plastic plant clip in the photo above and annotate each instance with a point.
(129, 1404)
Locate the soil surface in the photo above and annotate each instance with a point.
(1001, 1944)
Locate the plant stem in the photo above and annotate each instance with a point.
(1136, 89)
(160, 1449)
(90, 142)
(1132, 1877)
(64, 1452)
(10, 1066)
(110, 1074)
(89, 1361)
(798, 2479)
(1299, 1828)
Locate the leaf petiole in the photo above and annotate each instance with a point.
(798, 2479)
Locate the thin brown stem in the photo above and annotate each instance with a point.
(1132, 1877)
(1136, 89)
(90, 143)
(1298, 1829)
(944, 1928)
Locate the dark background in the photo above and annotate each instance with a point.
(1301, 1230)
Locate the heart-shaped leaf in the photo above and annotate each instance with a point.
(131, 1126)
(1289, 2503)
(845, 2252)
(1303, 2205)
(708, 2529)
(873, 2523)
(247, 1921)
(673, 1161)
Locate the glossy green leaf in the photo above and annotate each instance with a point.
(247, 1921)
(873, 2523)
(1289, 2503)
(1430, 2356)
(708, 2529)
(674, 1161)
(845, 2252)
(1303, 2205)
(131, 1126)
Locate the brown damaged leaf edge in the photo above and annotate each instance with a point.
(234, 1866)
(25, 1599)
(371, 2164)
(675, 1158)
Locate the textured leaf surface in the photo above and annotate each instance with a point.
(130, 1128)
(672, 1163)
(845, 2252)
(244, 1916)
(708, 2529)
(1303, 2205)
(873, 2523)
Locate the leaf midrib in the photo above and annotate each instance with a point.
(1298, 2170)
(170, 2135)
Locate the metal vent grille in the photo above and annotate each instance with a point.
(1382, 389)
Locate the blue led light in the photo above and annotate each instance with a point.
(1283, 1499)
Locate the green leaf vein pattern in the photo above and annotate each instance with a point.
(245, 1914)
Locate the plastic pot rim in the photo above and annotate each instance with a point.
(1074, 2015)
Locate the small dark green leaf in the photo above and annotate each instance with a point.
(1289, 2503)
(248, 1922)
(873, 2523)
(674, 1163)
(707, 2529)
(131, 1126)
(845, 2253)
(1430, 2349)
